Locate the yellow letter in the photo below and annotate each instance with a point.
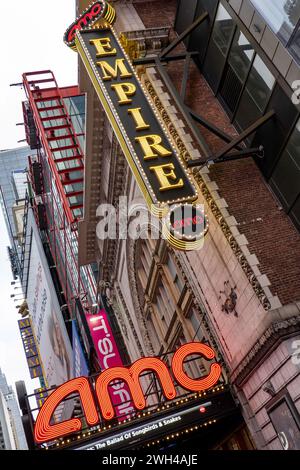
(152, 142)
(103, 47)
(109, 72)
(164, 177)
(124, 90)
(138, 119)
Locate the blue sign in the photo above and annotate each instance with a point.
(80, 365)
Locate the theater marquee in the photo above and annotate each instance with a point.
(98, 397)
(160, 173)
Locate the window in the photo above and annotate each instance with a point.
(165, 304)
(218, 47)
(281, 15)
(195, 320)
(76, 108)
(256, 94)
(222, 31)
(240, 56)
(285, 420)
(260, 83)
(286, 177)
(236, 70)
(174, 275)
(294, 47)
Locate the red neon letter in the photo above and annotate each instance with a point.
(131, 377)
(191, 384)
(44, 431)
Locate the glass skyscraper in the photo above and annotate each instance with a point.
(13, 185)
(12, 417)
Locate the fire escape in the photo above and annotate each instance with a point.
(57, 176)
(58, 138)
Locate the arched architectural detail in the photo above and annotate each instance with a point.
(131, 247)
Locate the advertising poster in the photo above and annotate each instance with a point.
(46, 319)
(109, 356)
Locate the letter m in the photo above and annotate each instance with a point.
(109, 72)
(131, 376)
(84, 21)
(44, 431)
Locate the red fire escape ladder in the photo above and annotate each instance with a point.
(58, 138)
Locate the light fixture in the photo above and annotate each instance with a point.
(269, 389)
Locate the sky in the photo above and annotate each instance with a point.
(31, 40)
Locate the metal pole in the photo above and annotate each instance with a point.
(184, 34)
(245, 134)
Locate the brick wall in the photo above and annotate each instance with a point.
(157, 14)
(270, 234)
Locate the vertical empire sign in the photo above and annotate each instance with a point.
(154, 161)
(162, 176)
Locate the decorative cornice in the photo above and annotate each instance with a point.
(117, 179)
(184, 153)
(144, 42)
(266, 343)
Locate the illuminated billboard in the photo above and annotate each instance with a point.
(46, 318)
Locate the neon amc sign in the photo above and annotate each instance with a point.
(91, 397)
(100, 10)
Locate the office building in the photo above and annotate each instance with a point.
(12, 434)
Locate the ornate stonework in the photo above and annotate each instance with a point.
(117, 179)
